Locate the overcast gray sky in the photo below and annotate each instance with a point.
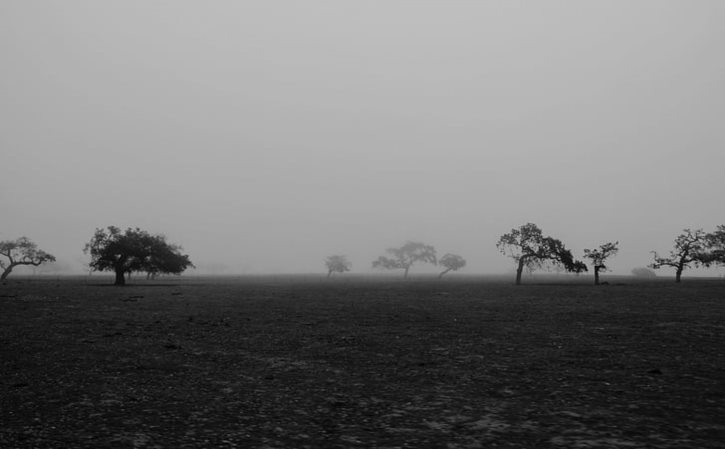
(265, 136)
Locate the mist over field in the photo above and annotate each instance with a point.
(264, 137)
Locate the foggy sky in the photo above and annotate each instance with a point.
(265, 136)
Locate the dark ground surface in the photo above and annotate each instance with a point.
(307, 362)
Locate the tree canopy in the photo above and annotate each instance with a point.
(599, 256)
(405, 256)
(134, 250)
(531, 249)
(337, 264)
(689, 250)
(22, 251)
(715, 242)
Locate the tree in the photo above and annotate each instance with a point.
(134, 250)
(405, 256)
(689, 250)
(451, 262)
(642, 272)
(337, 264)
(531, 249)
(21, 252)
(599, 255)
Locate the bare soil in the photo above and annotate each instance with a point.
(275, 362)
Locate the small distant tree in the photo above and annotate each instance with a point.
(689, 250)
(337, 264)
(451, 262)
(642, 272)
(531, 249)
(21, 252)
(134, 250)
(599, 255)
(404, 257)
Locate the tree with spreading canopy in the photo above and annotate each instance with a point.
(599, 255)
(690, 249)
(337, 264)
(134, 250)
(404, 257)
(451, 262)
(531, 249)
(22, 251)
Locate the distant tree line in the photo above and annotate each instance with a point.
(531, 249)
(135, 250)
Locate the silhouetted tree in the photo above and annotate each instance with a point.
(405, 256)
(134, 250)
(337, 264)
(451, 262)
(689, 250)
(21, 252)
(599, 255)
(531, 249)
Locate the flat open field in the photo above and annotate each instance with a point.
(352, 362)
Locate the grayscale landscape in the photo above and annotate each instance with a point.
(399, 223)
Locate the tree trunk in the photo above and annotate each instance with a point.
(6, 272)
(120, 277)
(678, 274)
(405, 275)
(519, 270)
(443, 272)
(596, 275)
(329, 273)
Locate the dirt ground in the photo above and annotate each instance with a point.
(307, 362)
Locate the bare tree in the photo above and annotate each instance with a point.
(451, 262)
(531, 249)
(404, 257)
(21, 252)
(599, 255)
(689, 250)
(337, 264)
